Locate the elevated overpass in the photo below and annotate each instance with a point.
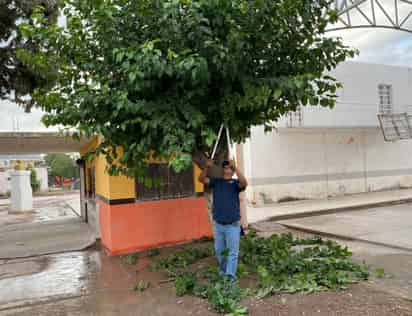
(38, 143)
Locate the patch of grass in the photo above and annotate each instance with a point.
(141, 286)
(185, 284)
(131, 258)
(280, 264)
(182, 259)
(153, 253)
(210, 273)
(380, 272)
(224, 296)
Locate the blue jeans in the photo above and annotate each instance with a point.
(227, 239)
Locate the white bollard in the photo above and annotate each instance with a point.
(21, 192)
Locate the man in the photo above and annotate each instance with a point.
(226, 215)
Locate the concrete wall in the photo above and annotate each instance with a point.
(317, 163)
(335, 151)
(357, 104)
(4, 182)
(43, 177)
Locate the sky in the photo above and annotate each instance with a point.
(378, 46)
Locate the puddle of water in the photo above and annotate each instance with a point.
(65, 274)
(39, 214)
(53, 212)
(12, 270)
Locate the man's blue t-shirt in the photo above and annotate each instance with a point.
(226, 205)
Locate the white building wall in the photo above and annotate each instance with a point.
(43, 177)
(4, 182)
(357, 104)
(339, 151)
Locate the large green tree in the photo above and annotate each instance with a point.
(160, 76)
(62, 165)
(17, 81)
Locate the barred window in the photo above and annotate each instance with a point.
(385, 98)
(162, 182)
(295, 119)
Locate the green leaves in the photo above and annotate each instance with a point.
(286, 264)
(277, 94)
(131, 258)
(185, 284)
(280, 264)
(161, 76)
(141, 286)
(225, 296)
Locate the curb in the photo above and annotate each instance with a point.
(72, 208)
(343, 237)
(336, 210)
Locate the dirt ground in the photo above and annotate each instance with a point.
(105, 288)
(91, 283)
(358, 300)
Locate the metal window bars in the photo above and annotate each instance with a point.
(395, 126)
(385, 98)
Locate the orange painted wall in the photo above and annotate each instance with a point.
(143, 225)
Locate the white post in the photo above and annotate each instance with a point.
(21, 192)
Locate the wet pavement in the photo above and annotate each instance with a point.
(53, 226)
(85, 283)
(34, 239)
(45, 208)
(61, 275)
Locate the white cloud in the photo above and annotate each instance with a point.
(379, 45)
(13, 117)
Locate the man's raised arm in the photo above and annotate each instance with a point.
(203, 178)
(240, 176)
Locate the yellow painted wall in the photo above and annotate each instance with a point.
(109, 187)
(102, 177)
(119, 187)
(199, 187)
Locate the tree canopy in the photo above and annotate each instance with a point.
(62, 165)
(17, 81)
(159, 77)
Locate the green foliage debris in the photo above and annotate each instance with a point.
(153, 253)
(279, 264)
(131, 258)
(141, 286)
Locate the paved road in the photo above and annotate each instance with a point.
(52, 226)
(387, 225)
(33, 239)
(45, 208)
